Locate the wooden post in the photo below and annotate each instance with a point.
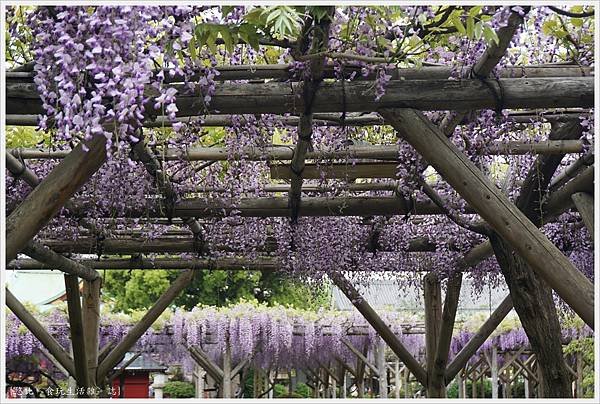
(585, 205)
(343, 381)
(149, 318)
(496, 209)
(380, 326)
(479, 338)
(40, 332)
(51, 194)
(76, 327)
(360, 377)
(226, 383)
(199, 381)
(382, 370)
(406, 382)
(91, 325)
(436, 387)
(447, 327)
(397, 379)
(461, 385)
(494, 367)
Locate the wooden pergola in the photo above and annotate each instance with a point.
(553, 88)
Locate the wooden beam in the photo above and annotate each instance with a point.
(278, 207)
(496, 209)
(585, 205)
(56, 261)
(51, 194)
(140, 328)
(447, 326)
(461, 359)
(380, 326)
(347, 171)
(282, 72)
(91, 325)
(280, 98)
(170, 245)
(40, 332)
(76, 329)
(238, 368)
(436, 388)
(20, 170)
(572, 170)
(283, 153)
(584, 182)
(207, 364)
(359, 355)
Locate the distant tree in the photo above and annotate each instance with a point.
(133, 290)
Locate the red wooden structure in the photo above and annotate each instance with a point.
(134, 381)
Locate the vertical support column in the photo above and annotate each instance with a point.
(527, 386)
(333, 388)
(397, 382)
(199, 374)
(344, 380)
(226, 385)
(91, 325)
(461, 385)
(382, 370)
(76, 330)
(436, 386)
(406, 382)
(494, 366)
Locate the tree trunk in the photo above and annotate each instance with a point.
(532, 297)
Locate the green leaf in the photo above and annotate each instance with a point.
(226, 10)
(489, 34)
(478, 30)
(459, 25)
(470, 27)
(227, 38)
(474, 11)
(192, 49)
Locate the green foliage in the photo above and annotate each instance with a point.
(137, 290)
(282, 21)
(179, 390)
(25, 136)
(279, 391)
(131, 290)
(302, 390)
(16, 49)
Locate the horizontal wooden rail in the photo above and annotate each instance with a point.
(433, 95)
(282, 72)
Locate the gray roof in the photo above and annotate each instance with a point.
(142, 362)
(387, 295)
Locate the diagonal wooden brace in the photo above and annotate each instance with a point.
(142, 326)
(40, 333)
(380, 326)
(496, 209)
(51, 194)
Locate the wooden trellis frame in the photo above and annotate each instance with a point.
(425, 89)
